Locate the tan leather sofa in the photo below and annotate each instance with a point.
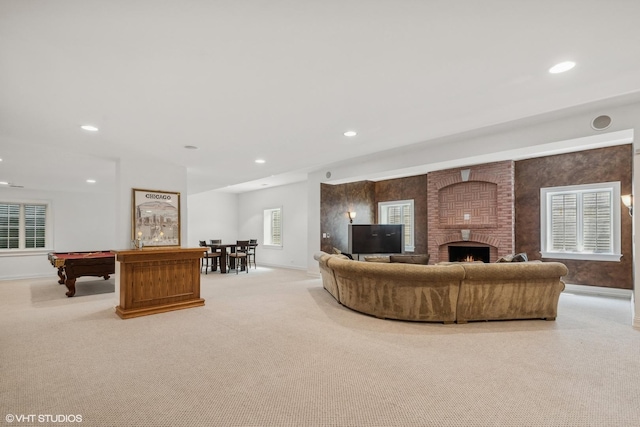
(444, 293)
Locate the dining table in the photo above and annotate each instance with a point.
(222, 248)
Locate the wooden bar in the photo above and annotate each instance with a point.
(158, 280)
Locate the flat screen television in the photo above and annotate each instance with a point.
(376, 238)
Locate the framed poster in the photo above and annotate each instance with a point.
(156, 218)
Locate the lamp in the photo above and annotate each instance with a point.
(351, 216)
(627, 200)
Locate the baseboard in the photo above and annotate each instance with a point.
(53, 275)
(599, 291)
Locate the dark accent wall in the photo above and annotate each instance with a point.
(335, 202)
(413, 187)
(584, 167)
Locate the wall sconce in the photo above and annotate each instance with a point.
(627, 200)
(351, 216)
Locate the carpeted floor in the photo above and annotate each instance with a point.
(273, 348)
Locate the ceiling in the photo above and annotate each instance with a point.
(282, 80)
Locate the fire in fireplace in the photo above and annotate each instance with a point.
(469, 253)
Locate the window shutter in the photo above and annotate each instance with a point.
(564, 222)
(597, 222)
(276, 227)
(9, 226)
(35, 225)
(408, 224)
(401, 214)
(581, 222)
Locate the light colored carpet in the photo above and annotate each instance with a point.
(273, 348)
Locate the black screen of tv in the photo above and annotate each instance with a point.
(376, 238)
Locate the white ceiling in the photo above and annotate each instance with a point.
(282, 80)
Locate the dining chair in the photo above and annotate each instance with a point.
(218, 242)
(239, 256)
(251, 252)
(209, 256)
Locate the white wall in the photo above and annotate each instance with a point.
(231, 217)
(94, 221)
(81, 222)
(212, 215)
(293, 200)
(146, 175)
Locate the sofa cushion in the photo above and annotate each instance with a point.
(377, 258)
(521, 257)
(339, 252)
(506, 258)
(410, 259)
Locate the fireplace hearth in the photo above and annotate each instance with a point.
(469, 253)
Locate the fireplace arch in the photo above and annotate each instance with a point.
(471, 206)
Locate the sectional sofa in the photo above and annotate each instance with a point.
(448, 293)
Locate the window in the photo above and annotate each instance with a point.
(399, 212)
(273, 227)
(581, 222)
(23, 226)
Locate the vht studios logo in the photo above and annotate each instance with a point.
(43, 418)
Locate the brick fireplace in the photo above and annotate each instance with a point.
(471, 207)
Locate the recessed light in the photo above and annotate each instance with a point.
(260, 161)
(190, 147)
(350, 133)
(91, 181)
(562, 67)
(89, 128)
(4, 183)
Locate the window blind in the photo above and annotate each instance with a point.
(35, 217)
(9, 226)
(582, 222)
(276, 227)
(401, 214)
(596, 220)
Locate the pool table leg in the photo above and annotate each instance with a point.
(71, 285)
(61, 275)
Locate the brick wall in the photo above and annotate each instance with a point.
(479, 199)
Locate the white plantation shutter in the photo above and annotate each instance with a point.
(564, 225)
(276, 227)
(23, 225)
(35, 227)
(9, 226)
(272, 232)
(399, 212)
(596, 222)
(581, 222)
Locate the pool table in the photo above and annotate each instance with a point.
(72, 265)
